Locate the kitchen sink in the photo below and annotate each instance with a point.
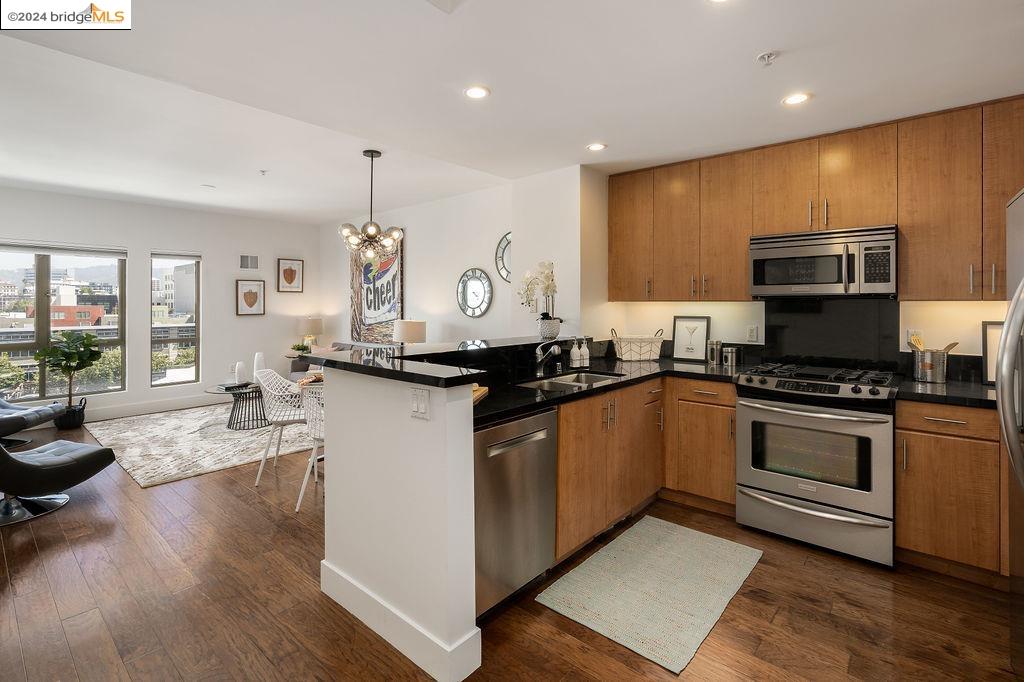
(572, 382)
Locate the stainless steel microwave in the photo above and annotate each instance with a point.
(853, 262)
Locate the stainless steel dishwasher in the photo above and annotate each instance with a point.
(515, 470)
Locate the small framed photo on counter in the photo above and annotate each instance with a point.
(690, 337)
(990, 332)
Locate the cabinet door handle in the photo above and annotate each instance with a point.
(693, 286)
(700, 392)
(661, 420)
(611, 413)
(904, 454)
(704, 284)
(648, 288)
(826, 211)
(604, 417)
(810, 212)
(654, 390)
(970, 279)
(946, 421)
(993, 278)
(732, 431)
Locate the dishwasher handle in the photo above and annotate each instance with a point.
(504, 446)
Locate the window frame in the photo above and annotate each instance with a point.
(198, 260)
(44, 328)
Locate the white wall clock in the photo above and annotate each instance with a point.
(474, 292)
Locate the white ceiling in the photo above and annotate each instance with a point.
(657, 80)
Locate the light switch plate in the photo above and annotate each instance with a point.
(752, 333)
(420, 403)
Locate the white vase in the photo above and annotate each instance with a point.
(548, 329)
(258, 363)
(241, 375)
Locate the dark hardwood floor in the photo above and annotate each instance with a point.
(211, 578)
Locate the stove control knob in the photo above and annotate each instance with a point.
(762, 381)
(749, 380)
(855, 389)
(874, 390)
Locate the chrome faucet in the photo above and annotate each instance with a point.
(542, 356)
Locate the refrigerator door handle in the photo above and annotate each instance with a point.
(1006, 367)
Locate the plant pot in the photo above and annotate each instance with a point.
(72, 418)
(549, 329)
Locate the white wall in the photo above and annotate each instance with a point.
(942, 322)
(729, 320)
(444, 238)
(219, 239)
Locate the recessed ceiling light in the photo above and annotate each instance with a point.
(796, 98)
(597, 146)
(477, 91)
(208, 186)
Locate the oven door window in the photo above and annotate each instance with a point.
(823, 456)
(801, 270)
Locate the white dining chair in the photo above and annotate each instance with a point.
(313, 405)
(282, 403)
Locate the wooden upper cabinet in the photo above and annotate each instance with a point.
(939, 206)
(785, 186)
(857, 178)
(630, 235)
(725, 210)
(676, 232)
(947, 498)
(1003, 177)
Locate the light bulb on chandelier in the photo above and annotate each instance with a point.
(371, 241)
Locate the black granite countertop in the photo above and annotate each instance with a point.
(379, 363)
(962, 393)
(511, 401)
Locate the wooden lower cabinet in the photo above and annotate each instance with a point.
(948, 498)
(581, 503)
(609, 460)
(705, 451)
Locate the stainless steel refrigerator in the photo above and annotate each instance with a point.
(1010, 399)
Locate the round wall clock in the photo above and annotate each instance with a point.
(474, 292)
(503, 257)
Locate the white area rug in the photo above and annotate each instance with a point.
(657, 589)
(169, 446)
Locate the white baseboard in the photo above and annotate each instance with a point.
(447, 662)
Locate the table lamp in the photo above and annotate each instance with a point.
(410, 331)
(309, 329)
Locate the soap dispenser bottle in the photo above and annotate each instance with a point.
(575, 358)
(584, 352)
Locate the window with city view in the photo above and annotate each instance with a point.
(174, 328)
(44, 292)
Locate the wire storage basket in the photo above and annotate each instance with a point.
(637, 348)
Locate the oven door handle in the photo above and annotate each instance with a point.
(813, 512)
(816, 415)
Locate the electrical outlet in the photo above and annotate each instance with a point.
(911, 332)
(752, 333)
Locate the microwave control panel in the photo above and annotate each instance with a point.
(877, 264)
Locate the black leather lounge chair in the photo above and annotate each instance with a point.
(33, 480)
(14, 418)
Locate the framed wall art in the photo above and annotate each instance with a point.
(378, 294)
(690, 337)
(250, 297)
(289, 275)
(990, 332)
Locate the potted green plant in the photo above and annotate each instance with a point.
(69, 353)
(300, 348)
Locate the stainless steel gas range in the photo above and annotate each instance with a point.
(814, 456)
